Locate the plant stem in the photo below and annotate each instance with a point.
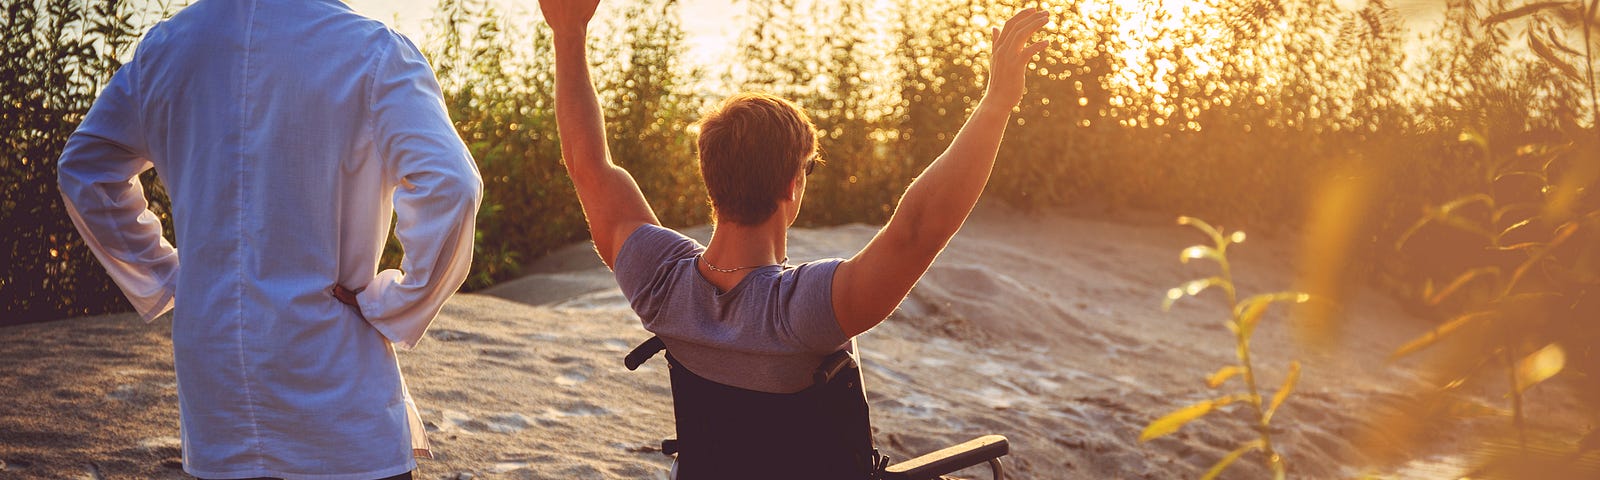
(1588, 63)
(1243, 345)
(1516, 398)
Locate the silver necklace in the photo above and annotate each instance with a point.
(715, 268)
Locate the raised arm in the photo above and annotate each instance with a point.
(868, 287)
(612, 202)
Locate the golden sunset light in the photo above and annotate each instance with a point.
(926, 239)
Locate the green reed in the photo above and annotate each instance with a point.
(1244, 316)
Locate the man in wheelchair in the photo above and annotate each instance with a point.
(760, 386)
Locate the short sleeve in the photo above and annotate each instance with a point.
(644, 265)
(810, 322)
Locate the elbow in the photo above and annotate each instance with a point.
(66, 178)
(581, 177)
(465, 188)
(586, 175)
(475, 188)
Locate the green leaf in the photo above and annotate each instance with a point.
(1450, 208)
(1249, 311)
(1473, 136)
(1230, 458)
(1191, 288)
(1251, 316)
(1462, 280)
(1289, 382)
(1173, 421)
(1198, 224)
(1222, 375)
(1536, 177)
(1543, 50)
(1440, 332)
(1400, 243)
(1520, 12)
(1553, 36)
(1200, 251)
(1563, 233)
(1540, 366)
(1525, 223)
(1172, 296)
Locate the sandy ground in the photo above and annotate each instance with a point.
(1046, 329)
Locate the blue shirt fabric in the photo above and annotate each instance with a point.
(768, 333)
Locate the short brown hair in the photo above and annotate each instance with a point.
(751, 147)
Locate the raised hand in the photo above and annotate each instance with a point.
(1008, 64)
(568, 17)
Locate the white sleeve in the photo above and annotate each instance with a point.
(99, 178)
(436, 203)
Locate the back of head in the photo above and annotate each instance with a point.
(752, 146)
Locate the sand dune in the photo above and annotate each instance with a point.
(1046, 329)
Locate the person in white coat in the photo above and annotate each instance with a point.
(288, 134)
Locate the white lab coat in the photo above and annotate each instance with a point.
(288, 134)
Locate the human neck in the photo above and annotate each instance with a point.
(735, 245)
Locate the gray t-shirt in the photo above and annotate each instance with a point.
(767, 334)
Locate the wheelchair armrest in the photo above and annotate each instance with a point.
(947, 460)
(644, 352)
(831, 366)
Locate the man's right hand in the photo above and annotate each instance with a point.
(568, 17)
(346, 296)
(1008, 64)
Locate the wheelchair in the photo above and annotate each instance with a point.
(822, 432)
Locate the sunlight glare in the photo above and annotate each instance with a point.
(1158, 47)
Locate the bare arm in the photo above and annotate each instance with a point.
(868, 287)
(612, 202)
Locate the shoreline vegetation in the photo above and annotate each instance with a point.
(1461, 182)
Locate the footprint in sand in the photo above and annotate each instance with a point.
(126, 393)
(506, 463)
(573, 376)
(162, 446)
(503, 353)
(618, 345)
(508, 422)
(453, 336)
(502, 422)
(452, 420)
(564, 360)
(544, 337)
(579, 409)
(917, 405)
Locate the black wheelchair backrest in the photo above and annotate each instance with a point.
(822, 432)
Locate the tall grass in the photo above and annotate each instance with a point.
(496, 72)
(1520, 304)
(55, 56)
